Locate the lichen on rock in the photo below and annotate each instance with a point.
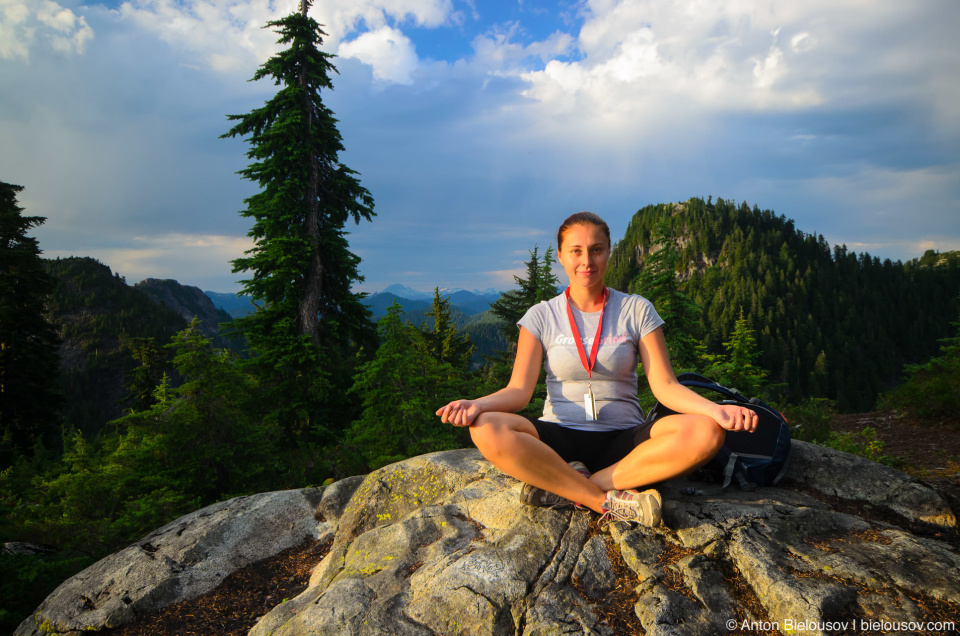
(439, 544)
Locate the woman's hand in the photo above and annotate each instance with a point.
(459, 412)
(510, 399)
(732, 417)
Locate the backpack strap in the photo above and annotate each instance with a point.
(728, 473)
(786, 465)
(700, 382)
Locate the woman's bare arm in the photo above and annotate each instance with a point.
(668, 390)
(511, 398)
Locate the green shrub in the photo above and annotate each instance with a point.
(932, 390)
(865, 444)
(26, 579)
(810, 420)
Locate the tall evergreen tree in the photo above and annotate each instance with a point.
(142, 380)
(737, 369)
(443, 341)
(540, 284)
(302, 269)
(547, 282)
(29, 356)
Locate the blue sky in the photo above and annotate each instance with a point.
(479, 125)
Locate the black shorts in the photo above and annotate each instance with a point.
(596, 449)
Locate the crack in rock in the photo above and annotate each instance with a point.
(439, 544)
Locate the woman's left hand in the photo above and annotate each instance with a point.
(732, 417)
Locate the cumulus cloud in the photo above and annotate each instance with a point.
(499, 52)
(24, 25)
(840, 117)
(652, 58)
(345, 16)
(387, 50)
(227, 35)
(647, 56)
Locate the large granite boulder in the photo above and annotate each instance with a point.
(181, 560)
(439, 544)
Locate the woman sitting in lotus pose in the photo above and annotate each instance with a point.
(592, 446)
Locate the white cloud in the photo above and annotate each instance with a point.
(23, 26)
(498, 52)
(346, 16)
(227, 35)
(387, 50)
(802, 42)
(770, 69)
(645, 56)
(504, 278)
(642, 61)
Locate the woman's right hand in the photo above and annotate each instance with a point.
(459, 412)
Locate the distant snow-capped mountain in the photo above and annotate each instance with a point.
(469, 302)
(412, 294)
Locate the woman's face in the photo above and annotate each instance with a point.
(584, 254)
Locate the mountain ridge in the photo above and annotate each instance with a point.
(468, 302)
(828, 322)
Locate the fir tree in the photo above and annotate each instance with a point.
(29, 355)
(547, 282)
(737, 368)
(302, 269)
(443, 341)
(931, 389)
(142, 380)
(540, 284)
(400, 390)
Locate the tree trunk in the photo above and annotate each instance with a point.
(313, 283)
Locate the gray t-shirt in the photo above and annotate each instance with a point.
(626, 320)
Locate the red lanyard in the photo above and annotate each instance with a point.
(587, 364)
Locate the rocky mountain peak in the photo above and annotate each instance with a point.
(188, 301)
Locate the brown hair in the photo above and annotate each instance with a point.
(582, 218)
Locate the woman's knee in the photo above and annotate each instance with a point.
(711, 438)
(492, 432)
(704, 437)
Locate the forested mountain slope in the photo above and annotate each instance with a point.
(98, 314)
(829, 322)
(480, 325)
(190, 302)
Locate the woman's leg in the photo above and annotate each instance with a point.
(510, 442)
(678, 445)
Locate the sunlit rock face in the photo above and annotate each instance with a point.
(439, 544)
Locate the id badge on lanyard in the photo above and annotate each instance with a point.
(590, 404)
(589, 401)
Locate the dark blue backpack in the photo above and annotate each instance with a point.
(752, 459)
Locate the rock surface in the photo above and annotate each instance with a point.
(439, 544)
(181, 560)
